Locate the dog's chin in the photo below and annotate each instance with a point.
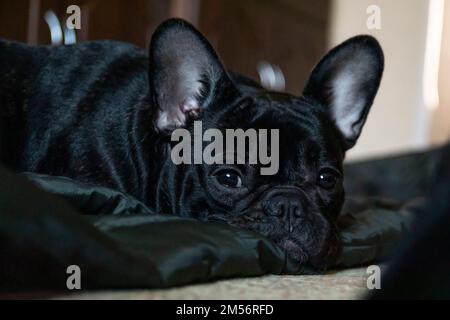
(319, 251)
(294, 251)
(321, 261)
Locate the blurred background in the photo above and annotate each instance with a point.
(277, 42)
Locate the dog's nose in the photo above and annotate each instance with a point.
(285, 204)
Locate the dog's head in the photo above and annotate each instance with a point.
(296, 206)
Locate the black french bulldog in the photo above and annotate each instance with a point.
(102, 113)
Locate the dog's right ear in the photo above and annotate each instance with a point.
(185, 74)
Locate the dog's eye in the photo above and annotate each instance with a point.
(327, 179)
(229, 178)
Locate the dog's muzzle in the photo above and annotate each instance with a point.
(308, 237)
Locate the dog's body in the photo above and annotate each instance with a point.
(79, 111)
(100, 112)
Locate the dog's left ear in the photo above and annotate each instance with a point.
(346, 81)
(185, 74)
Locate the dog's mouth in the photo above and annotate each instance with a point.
(309, 244)
(320, 257)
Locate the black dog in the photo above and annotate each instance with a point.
(102, 113)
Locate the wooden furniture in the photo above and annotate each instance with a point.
(290, 34)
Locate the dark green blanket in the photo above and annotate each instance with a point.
(49, 223)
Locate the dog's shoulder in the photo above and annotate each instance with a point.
(100, 49)
(85, 57)
(91, 66)
(95, 54)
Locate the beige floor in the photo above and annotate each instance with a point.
(347, 284)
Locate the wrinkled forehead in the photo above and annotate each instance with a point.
(267, 110)
(305, 129)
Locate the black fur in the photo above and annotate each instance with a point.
(100, 112)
